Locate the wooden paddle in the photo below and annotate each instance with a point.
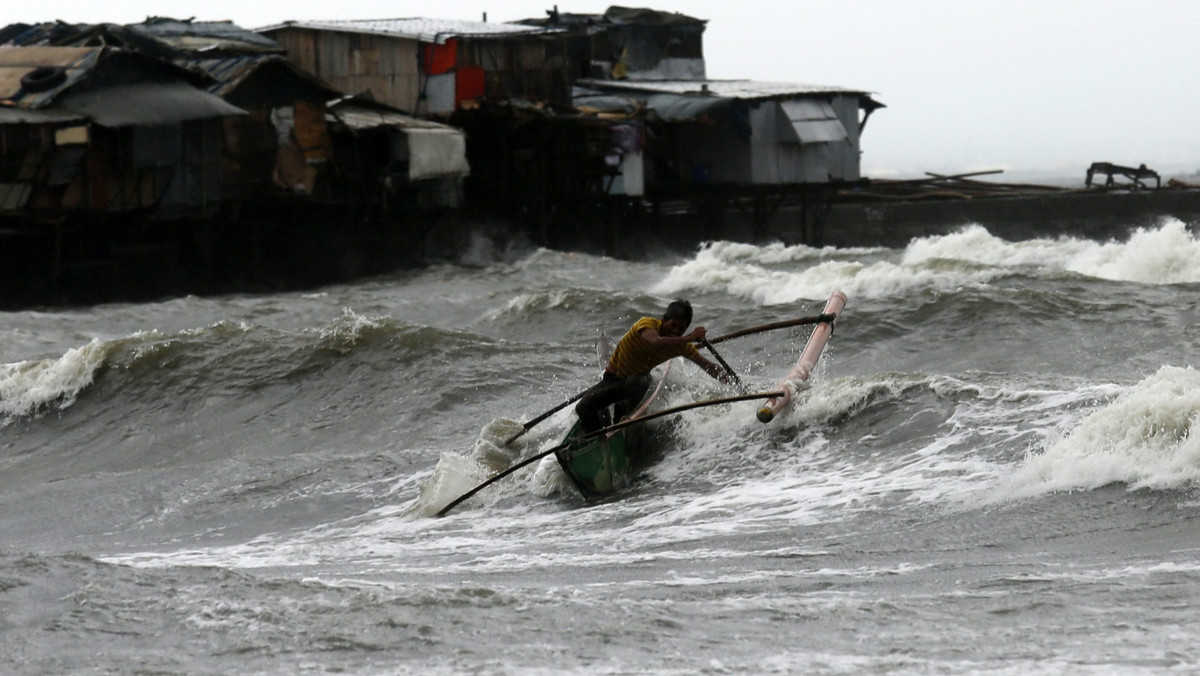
(728, 369)
(529, 425)
(603, 349)
(606, 430)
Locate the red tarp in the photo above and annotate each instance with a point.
(441, 59)
(469, 84)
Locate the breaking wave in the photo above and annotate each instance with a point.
(1169, 254)
(1144, 439)
(31, 386)
(776, 274)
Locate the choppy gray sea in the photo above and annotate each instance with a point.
(993, 470)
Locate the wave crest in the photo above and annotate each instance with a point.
(30, 386)
(775, 274)
(1168, 254)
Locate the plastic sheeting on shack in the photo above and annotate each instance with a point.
(431, 150)
(436, 152)
(147, 104)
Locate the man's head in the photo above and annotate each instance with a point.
(677, 318)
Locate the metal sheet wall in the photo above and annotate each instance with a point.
(778, 159)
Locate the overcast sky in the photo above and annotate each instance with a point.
(1026, 86)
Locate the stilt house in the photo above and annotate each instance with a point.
(431, 67)
(736, 132)
(107, 130)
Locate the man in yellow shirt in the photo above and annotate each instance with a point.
(648, 343)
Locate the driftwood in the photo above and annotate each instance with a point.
(1135, 174)
(944, 187)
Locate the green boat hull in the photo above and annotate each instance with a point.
(597, 466)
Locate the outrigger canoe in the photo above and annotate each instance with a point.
(596, 466)
(602, 464)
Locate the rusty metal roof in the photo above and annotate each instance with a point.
(425, 30)
(359, 113)
(160, 36)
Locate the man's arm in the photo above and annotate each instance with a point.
(658, 340)
(654, 338)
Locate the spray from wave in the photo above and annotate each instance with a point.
(1168, 255)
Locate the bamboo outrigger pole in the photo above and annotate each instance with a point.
(808, 359)
(787, 323)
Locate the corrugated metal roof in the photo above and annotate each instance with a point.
(230, 71)
(730, 89)
(370, 117)
(640, 16)
(157, 36)
(114, 104)
(17, 62)
(205, 35)
(425, 30)
(616, 16)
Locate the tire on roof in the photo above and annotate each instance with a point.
(43, 77)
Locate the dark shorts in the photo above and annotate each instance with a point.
(624, 394)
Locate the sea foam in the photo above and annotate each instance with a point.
(1142, 439)
(1166, 255)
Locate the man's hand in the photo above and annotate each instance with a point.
(697, 334)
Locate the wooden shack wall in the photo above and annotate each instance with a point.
(388, 67)
(527, 68)
(355, 63)
(168, 171)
